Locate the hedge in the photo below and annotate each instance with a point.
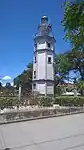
(69, 100)
(45, 102)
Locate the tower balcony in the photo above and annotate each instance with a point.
(43, 45)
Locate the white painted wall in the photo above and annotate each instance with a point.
(50, 72)
(50, 88)
(41, 65)
(41, 44)
(50, 67)
(41, 87)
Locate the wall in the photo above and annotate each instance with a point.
(40, 113)
(41, 65)
(41, 44)
(42, 68)
(50, 88)
(41, 87)
(50, 67)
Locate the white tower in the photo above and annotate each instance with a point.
(43, 61)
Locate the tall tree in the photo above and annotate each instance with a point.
(73, 23)
(77, 59)
(25, 79)
(62, 67)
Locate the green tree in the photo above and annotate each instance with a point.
(73, 23)
(62, 68)
(77, 60)
(25, 79)
(81, 87)
(0, 85)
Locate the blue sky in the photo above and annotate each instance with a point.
(18, 24)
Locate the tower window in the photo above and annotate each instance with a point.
(48, 44)
(35, 59)
(34, 85)
(34, 74)
(49, 60)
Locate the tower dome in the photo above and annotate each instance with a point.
(44, 20)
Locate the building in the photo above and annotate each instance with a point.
(43, 60)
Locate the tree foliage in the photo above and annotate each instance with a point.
(62, 67)
(80, 86)
(77, 62)
(73, 23)
(70, 101)
(25, 79)
(25, 76)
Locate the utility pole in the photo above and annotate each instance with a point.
(19, 94)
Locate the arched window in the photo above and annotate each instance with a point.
(34, 85)
(49, 60)
(35, 59)
(34, 74)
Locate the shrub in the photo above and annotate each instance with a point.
(59, 90)
(45, 101)
(7, 102)
(69, 101)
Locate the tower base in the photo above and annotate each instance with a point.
(44, 88)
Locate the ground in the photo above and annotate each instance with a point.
(59, 133)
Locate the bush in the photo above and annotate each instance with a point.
(69, 101)
(59, 90)
(45, 101)
(7, 102)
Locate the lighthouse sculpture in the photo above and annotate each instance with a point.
(43, 59)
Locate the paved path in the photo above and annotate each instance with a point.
(59, 133)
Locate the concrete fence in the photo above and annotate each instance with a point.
(26, 115)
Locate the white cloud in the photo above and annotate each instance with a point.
(69, 82)
(12, 84)
(4, 85)
(6, 78)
